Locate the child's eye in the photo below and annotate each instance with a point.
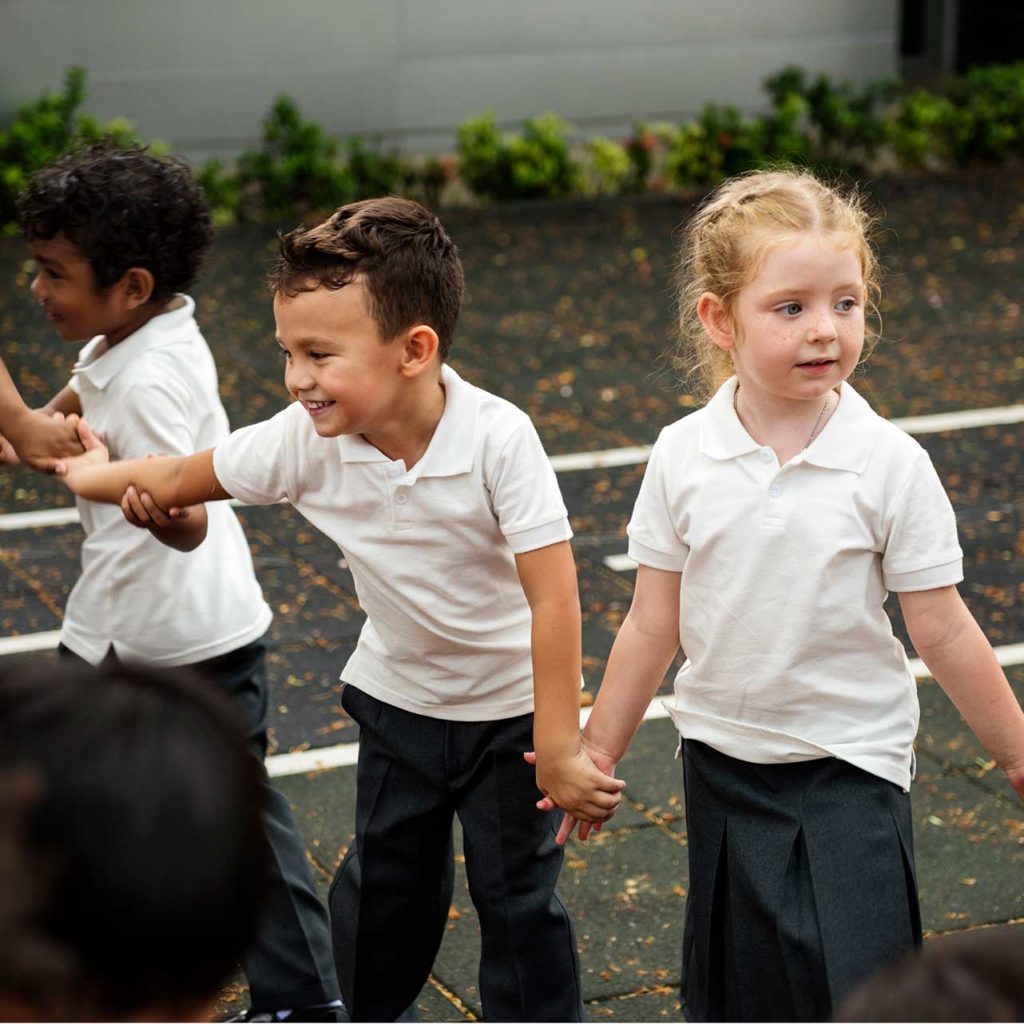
(285, 354)
(791, 309)
(317, 355)
(845, 305)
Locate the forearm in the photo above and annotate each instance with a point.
(636, 667)
(66, 401)
(965, 666)
(14, 413)
(172, 481)
(556, 644)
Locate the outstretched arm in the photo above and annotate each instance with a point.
(644, 648)
(565, 773)
(172, 481)
(952, 645)
(36, 438)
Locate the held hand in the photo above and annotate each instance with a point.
(8, 456)
(605, 763)
(142, 511)
(95, 451)
(579, 787)
(43, 441)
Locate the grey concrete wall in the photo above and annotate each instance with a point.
(202, 73)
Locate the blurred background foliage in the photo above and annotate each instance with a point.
(299, 169)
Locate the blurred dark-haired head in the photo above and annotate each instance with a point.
(130, 842)
(122, 208)
(971, 976)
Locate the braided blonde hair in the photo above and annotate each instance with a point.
(730, 235)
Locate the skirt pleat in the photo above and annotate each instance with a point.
(801, 885)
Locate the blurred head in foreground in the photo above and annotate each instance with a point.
(973, 976)
(131, 853)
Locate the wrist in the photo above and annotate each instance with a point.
(19, 423)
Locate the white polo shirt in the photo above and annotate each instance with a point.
(447, 631)
(790, 655)
(156, 392)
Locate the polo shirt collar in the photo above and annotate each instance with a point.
(99, 365)
(846, 442)
(450, 451)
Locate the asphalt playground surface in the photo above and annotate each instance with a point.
(569, 316)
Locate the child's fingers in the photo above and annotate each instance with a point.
(546, 804)
(157, 515)
(565, 829)
(128, 511)
(89, 438)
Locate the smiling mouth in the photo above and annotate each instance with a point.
(817, 362)
(315, 407)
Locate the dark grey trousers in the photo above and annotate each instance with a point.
(290, 964)
(391, 895)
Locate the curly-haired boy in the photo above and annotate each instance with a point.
(117, 235)
(450, 517)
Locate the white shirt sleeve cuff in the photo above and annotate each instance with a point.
(656, 559)
(946, 575)
(539, 536)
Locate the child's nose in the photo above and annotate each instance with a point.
(296, 378)
(824, 329)
(36, 287)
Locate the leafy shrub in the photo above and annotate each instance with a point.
(42, 130)
(609, 169)
(922, 129)
(375, 171)
(843, 127)
(295, 171)
(989, 124)
(533, 165)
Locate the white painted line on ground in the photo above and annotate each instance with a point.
(44, 517)
(619, 563)
(573, 461)
(345, 755)
(26, 643)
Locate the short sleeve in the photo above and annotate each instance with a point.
(155, 418)
(653, 537)
(252, 463)
(922, 551)
(524, 493)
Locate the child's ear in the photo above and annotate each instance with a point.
(716, 321)
(420, 345)
(136, 286)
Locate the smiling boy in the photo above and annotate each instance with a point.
(448, 512)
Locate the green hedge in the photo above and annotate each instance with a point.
(299, 169)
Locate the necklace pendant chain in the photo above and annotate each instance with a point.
(817, 422)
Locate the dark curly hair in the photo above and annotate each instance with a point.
(123, 208)
(401, 252)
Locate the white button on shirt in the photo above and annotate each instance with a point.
(431, 550)
(790, 655)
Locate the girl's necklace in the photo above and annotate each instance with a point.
(817, 422)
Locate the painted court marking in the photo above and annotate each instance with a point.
(344, 755)
(574, 461)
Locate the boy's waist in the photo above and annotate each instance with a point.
(478, 687)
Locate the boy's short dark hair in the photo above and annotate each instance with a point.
(141, 835)
(409, 266)
(123, 208)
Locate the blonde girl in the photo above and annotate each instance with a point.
(768, 530)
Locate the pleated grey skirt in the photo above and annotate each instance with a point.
(802, 884)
